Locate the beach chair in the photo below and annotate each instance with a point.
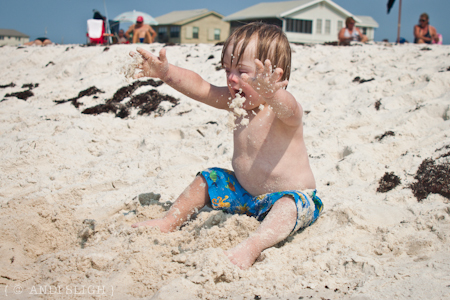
(95, 31)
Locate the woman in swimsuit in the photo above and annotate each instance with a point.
(40, 41)
(351, 33)
(424, 33)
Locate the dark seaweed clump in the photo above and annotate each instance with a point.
(431, 178)
(388, 182)
(387, 133)
(12, 84)
(87, 92)
(23, 95)
(377, 104)
(126, 91)
(360, 80)
(146, 102)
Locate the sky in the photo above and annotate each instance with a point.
(64, 21)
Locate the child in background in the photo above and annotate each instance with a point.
(272, 178)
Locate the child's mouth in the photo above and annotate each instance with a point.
(240, 93)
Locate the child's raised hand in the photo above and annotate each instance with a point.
(151, 65)
(266, 82)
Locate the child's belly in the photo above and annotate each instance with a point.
(260, 176)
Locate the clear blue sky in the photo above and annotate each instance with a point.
(64, 21)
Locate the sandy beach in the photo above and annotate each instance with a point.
(85, 153)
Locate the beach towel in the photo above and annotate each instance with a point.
(95, 28)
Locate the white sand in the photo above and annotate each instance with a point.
(60, 169)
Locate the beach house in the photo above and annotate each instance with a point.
(12, 37)
(303, 21)
(192, 26)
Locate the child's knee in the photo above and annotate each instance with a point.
(287, 206)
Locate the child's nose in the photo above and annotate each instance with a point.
(233, 77)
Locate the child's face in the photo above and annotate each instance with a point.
(233, 72)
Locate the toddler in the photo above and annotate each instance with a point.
(271, 178)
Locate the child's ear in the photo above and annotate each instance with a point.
(279, 73)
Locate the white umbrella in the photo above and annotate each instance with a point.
(131, 16)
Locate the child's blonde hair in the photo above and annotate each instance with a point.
(271, 41)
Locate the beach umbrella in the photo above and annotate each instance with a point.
(131, 16)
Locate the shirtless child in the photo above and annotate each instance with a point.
(142, 33)
(272, 178)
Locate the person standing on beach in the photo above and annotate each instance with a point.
(424, 33)
(272, 178)
(142, 33)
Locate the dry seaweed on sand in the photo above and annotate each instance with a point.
(87, 92)
(12, 84)
(387, 133)
(360, 80)
(24, 95)
(126, 91)
(388, 182)
(377, 104)
(432, 177)
(146, 102)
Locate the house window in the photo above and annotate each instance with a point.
(175, 31)
(327, 26)
(340, 25)
(195, 32)
(319, 26)
(217, 34)
(162, 34)
(364, 30)
(302, 26)
(2, 37)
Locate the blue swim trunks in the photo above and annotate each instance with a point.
(228, 195)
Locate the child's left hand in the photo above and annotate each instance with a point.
(266, 83)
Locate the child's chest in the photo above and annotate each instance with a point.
(263, 131)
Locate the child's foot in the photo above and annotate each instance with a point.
(243, 255)
(160, 223)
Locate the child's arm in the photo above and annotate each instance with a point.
(269, 86)
(185, 81)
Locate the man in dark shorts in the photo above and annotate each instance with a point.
(142, 33)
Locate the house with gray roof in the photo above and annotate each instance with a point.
(192, 26)
(12, 37)
(303, 21)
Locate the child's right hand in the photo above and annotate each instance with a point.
(152, 66)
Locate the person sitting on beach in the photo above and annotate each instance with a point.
(40, 41)
(122, 39)
(142, 33)
(272, 178)
(350, 33)
(424, 33)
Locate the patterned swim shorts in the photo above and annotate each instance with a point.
(228, 195)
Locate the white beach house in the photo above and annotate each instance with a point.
(12, 37)
(303, 21)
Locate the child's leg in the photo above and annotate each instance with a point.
(194, 197)
(275, 227)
